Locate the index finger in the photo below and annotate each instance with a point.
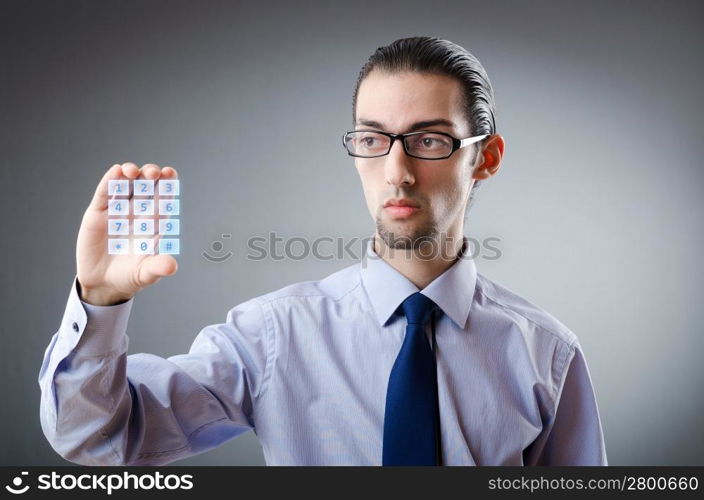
(116, 172)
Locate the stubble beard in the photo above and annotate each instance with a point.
(407, 239)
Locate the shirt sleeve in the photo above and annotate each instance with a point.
(100, 406)
(573, 434)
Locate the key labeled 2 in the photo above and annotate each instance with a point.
(143, 187)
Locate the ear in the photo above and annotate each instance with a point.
(489, 159)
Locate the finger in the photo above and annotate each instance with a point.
(154, 267)
(100, 197)
(130, 170)
(169, 173)
(150, 171)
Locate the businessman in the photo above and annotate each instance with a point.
(409, 357)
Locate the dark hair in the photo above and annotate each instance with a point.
(423, 54)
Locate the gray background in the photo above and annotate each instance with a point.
(597, 204)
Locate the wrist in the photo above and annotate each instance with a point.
(101, 297)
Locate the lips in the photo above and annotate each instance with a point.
(400, 208)
(400, 202)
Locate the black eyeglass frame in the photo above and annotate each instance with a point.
(456, 143)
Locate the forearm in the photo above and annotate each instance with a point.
(83, 382)
(102, 407)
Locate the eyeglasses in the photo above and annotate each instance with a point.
(424, 145)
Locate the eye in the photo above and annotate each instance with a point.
(430, 141)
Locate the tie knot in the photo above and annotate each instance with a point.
(417, 308)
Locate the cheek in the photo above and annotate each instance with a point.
(448, 191)
(370, 183)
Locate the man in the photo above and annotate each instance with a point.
(409, 358)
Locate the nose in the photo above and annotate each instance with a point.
(397, 167)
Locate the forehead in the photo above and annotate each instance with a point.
(397, 100)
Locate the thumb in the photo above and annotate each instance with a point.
(154, 267)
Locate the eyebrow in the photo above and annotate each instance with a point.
(416, 126)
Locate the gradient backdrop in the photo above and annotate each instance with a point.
(597, 205)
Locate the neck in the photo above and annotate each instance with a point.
(421, 266)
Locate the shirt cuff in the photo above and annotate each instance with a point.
(98, 329)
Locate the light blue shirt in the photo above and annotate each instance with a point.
(306, 367)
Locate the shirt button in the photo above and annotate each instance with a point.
(75, 326)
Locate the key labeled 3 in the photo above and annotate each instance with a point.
(169, 187)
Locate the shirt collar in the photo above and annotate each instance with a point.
(387, 288)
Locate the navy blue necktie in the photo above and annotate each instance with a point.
(410, 424)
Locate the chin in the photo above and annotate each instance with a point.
(405, 234)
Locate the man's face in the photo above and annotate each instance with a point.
(438, 188)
